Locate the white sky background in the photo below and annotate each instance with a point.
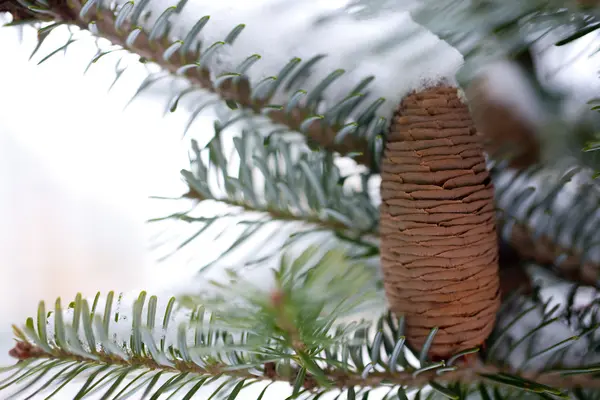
(75, 174)
(76, 171)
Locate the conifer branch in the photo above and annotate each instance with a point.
(273, 212)
(551, 221)
(308, 187)
(290, 333)
(322, 131)
(284, 183)
(469, 375)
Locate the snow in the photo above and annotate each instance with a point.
(559, 65)
(556, 295)
(567, 200)
(279, 31)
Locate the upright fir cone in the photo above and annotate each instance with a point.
(439, 248)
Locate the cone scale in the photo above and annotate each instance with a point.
(439, 248)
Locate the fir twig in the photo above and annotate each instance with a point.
(336, 378)
(235, 89)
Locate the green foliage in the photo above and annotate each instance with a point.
(285, 327)
(347, 127)
(575, 331)
(554, 203)
(491, 28)
(307, 187)
(284, 183)
(241, 335)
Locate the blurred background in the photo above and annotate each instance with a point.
(76, 171)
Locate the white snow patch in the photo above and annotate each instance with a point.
(281, 30)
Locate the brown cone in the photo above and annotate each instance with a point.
(439, 247)
(502, 127)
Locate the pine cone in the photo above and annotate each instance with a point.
(439, 248)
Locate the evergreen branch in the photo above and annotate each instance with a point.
(307, 188)
(330, 129)
(489, 29)
(566, 242)
(539, 382)
(283, 183)
(289, 333)
(494, 28)
(533, 334)
(499, 30)
(273, 212)
(188, 369)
